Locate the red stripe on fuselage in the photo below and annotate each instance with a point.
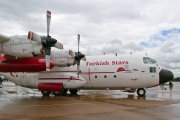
(60, 79)
(81, 72)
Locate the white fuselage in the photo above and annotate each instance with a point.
(98, 72)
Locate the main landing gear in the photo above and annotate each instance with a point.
(73, 91)
(141, 92)
(56, 93)
(46, 93)
(59, 93)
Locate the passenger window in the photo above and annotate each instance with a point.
(105, 76)
(152, 69)
(95, 76)
(114, 76)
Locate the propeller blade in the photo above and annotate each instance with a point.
(48, 52)
(58, 45)
(47, 63)
(34, 37)
(48, 21)
(46, 41)
(78, 41)
(78, 67)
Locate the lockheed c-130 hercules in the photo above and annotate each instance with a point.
(122, 72)
(26, 67)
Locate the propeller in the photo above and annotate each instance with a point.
(77, 56)
(46, 41)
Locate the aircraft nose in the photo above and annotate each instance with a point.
(165, 76)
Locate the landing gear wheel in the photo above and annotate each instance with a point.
(59, 93)
(141, 92)
(65, 91)
(73, 92)
(46, 93)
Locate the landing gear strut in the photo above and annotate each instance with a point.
(56, 93)
(73, 92)
(46, 93)
(141, 92)
(60, 93)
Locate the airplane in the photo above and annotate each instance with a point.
(127, 72)
(22, 63)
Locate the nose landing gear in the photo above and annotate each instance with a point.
(141, 92)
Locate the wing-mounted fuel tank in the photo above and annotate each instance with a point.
(20, 46)
(62, 58)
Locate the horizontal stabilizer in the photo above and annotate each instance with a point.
(4, 38)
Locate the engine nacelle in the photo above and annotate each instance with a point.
(62, 58)
(20, 46)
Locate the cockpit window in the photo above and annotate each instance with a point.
(148, 60)
(152, 69)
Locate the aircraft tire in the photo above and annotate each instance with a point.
(73, 92)
(65, 91)
(141, 92)
(59, 93)
(46, 93)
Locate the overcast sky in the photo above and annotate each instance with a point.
(106, 26)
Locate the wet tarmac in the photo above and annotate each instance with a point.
(18, 103)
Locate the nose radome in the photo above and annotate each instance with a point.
(165, 76)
